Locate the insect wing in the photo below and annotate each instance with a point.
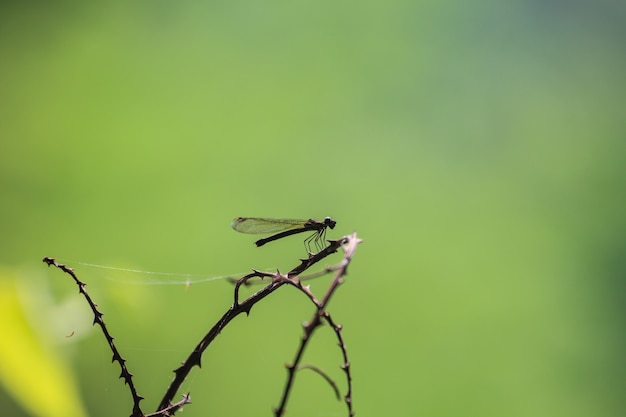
(262, 226)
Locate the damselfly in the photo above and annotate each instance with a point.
(284, 227)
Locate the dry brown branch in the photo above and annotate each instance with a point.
(128, 377)
(293, 278)
(349, 247)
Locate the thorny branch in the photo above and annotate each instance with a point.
(277, 280)
(128, 377)
(316, 321)
(166, 408)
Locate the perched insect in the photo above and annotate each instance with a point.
(283, 228)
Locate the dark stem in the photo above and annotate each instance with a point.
(324, 375)
(346, 363)
(349, 246)
(166, 408)
(195, 357)
(237, 308)
(128, 377)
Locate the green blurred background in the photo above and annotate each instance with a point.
(477, 147)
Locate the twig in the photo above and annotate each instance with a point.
(346, 363)
(349, 244)
(128, 377)
(172, 408)
(305, 264)
(327, 270)
(166, 408)
(324, 375)
(278, 280)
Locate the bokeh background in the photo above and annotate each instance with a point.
(477, 148)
